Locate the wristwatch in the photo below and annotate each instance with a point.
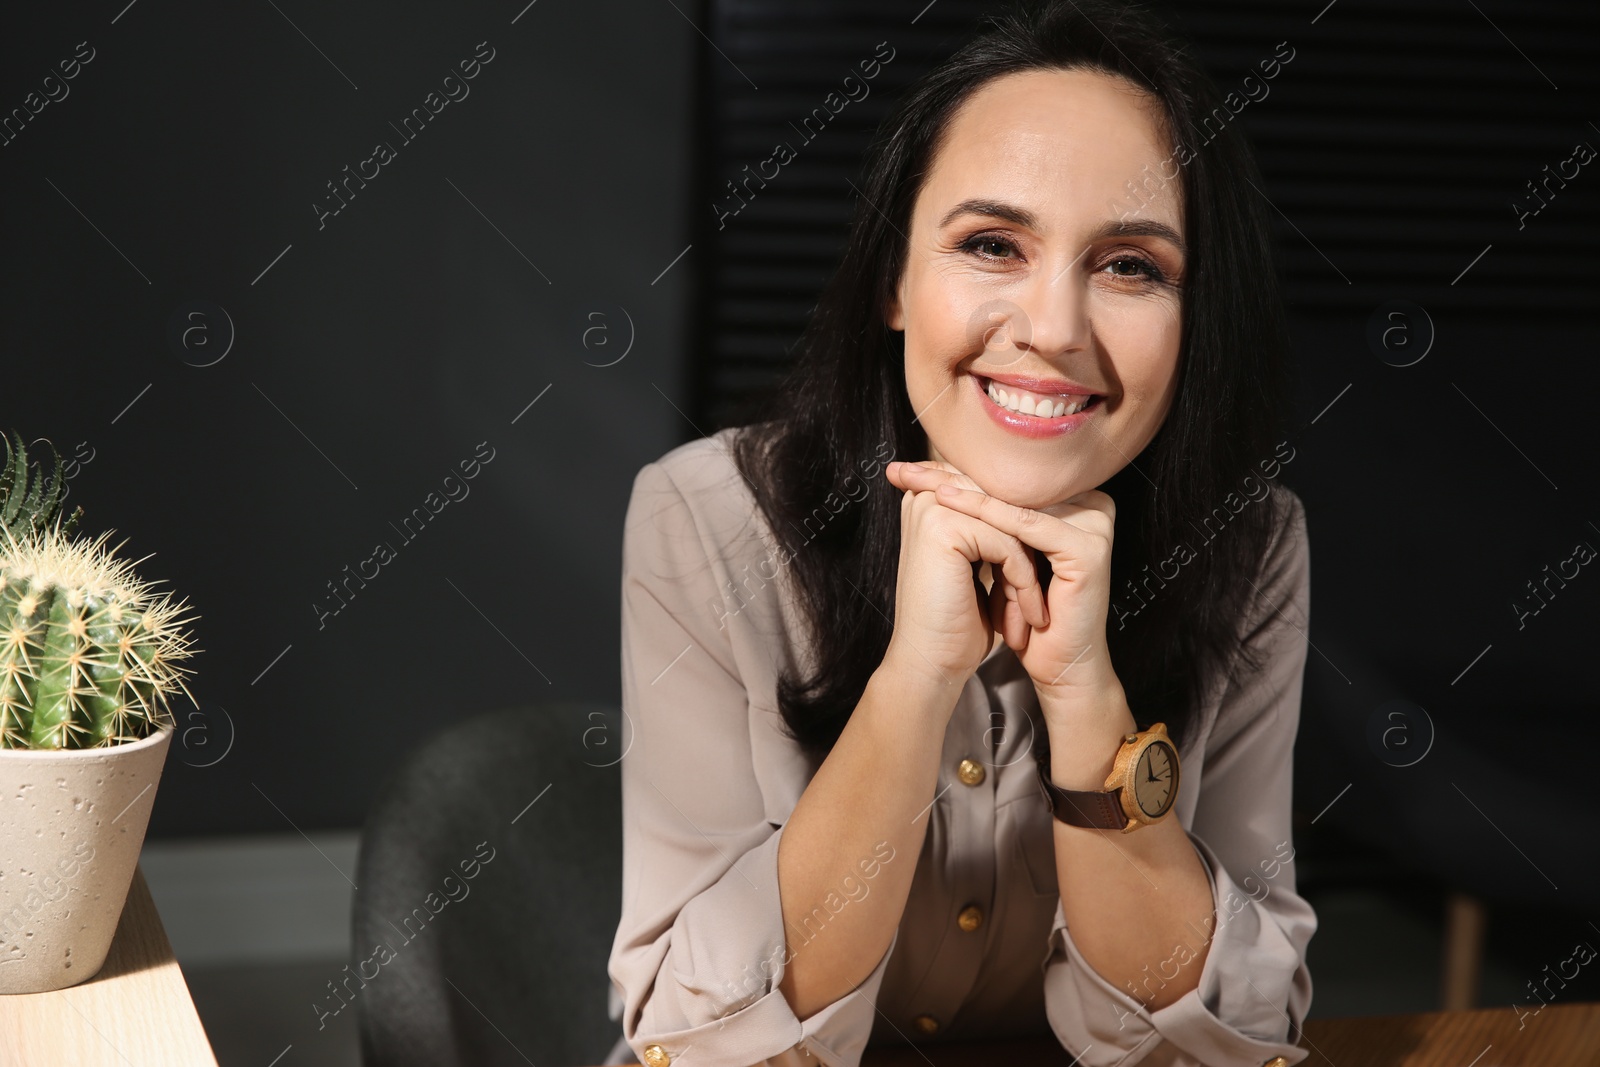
(1141, 789)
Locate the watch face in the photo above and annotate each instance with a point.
(1155, 779)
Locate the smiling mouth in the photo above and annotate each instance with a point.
(1037, 405)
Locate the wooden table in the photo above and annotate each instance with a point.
(137, 1011)
(1561, 1035)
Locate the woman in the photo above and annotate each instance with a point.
(897, 769)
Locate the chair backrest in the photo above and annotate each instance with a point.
(489, 889)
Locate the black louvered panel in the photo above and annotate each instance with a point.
(1397, 140)
(764, 268)
(1394, 143)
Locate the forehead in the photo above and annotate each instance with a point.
(1063, 143)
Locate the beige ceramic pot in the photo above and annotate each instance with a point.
(72, 823)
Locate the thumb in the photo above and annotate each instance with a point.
(958, 477)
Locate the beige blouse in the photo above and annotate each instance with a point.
(982, 949)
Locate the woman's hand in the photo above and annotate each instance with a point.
(942, 627)
(1066, 654)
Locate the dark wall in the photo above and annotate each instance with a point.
(374, 350)
(531, 221)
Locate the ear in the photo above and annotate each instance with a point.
(892, 315)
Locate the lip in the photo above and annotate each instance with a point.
(1050, 386)
(1031, 425)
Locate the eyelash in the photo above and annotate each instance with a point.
(1152, 274)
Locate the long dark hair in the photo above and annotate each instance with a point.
(844, 408)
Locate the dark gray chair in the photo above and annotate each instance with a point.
(509, 966)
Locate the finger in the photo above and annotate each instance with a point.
(897, 472)
(940, 466)
(977, 540)
(1092, 510)
(1051, 534)
(929, 464)
(927, 475)
(1007, 616)
(1018, 631)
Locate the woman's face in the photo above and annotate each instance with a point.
(1031, 257)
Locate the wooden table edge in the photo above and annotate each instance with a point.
(136, 1009)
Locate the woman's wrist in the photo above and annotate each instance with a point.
(910, 666)
(1085, 737)
(917, 693)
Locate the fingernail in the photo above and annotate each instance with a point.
(911, 466)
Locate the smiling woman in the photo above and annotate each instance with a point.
(1101, 298)
(935, 669)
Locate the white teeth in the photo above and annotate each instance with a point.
(1039, 407)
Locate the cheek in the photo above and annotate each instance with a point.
(944, 308)
(1144, 343)
(943, 326)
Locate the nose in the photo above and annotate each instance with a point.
(1048, 317)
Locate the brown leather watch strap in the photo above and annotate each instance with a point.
(1092, 808)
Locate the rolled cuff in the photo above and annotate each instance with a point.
(700, 1015)
(1252, 982)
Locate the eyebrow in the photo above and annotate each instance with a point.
(1028, 220)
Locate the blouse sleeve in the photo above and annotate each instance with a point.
(1254, 987)
(700, 948)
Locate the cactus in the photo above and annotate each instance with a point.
(24, 507)
(89, 653)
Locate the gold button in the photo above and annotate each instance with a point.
(927, 1024)
(970, 772)
(1276, 1061)
(656, 1056)
(971, 918)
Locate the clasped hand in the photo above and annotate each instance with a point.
(1053, 617)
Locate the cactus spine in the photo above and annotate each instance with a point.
(89, 653)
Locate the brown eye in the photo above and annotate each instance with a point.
(1134, 267)
(989, 246)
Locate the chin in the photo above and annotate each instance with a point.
(1022, 489)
